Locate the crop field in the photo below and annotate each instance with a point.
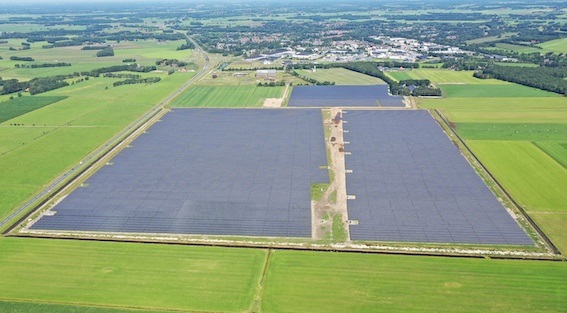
(512, 131)
(494, 91)
(226, 96)
(519, 48)
(443, 76)
(18, 106)
(308, 282)
(341, 76)
(35, 307)
(166, 277)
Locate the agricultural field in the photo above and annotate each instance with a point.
(18, 106)
(341, 76)
(226, 96)
(443, 76)
(493, 91)
(557, 46)
(188, 278)
(519, 134)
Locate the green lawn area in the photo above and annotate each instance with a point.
(512, 131)
(444, 76)
(341, 76)
(531, 176)
(557, 46)
(493, 91)
(339, 282)
(129, 275)
(22, 105)
(226, 96)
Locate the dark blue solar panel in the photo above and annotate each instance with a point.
(412, 184)
(343, 96)
(206, 171)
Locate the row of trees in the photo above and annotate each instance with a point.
(106, 52)
(312, 80)
(545, 78)
(24, 59)
(148, 80)
(119, 68)
(44, 65)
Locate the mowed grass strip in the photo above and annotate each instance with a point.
(22, 105)
(493, 91)
(515, 131)
(533, 178)
(553, 224)
(33, 307)
(341, 76)
(557, 45)
(226, 96)
(343, 282)
(129, 275)
(556, 150)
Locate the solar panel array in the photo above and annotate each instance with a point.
(206, 171)
(413, 185)
(343, 96)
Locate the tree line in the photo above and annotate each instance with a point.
(545, 78)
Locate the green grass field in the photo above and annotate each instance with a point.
(32, 307)
(501, 110)
(533, 178)
(330, 282)
(341, 76)
(189, 278)
(519, 48)
(226, 96)
(18, 106)
(512, 131)
(557, 46)
(493, 91)
(443, 76)
(556, 150)
(129, 275)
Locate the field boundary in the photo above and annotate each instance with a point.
(530, 221)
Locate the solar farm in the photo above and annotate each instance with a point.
(231, 172)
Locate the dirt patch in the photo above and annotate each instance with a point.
(273, 103)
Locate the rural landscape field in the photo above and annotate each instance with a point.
(327, 156)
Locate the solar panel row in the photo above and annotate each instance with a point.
(413, 185)
(343, 96)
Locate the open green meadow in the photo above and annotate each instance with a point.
(557, 46)
(556, 150)
(190, 278)
(22, 105)
(512, 131)
(341, 76)
(34, 307)
(493, 91)
(226, 96)
(130, 275)
(443, 76)
(331, 282)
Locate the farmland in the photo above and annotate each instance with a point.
(518, 133)
(19, 106)
(493, 91)
(442, 76)
(189, 278)
(341, 76)
(227, 96)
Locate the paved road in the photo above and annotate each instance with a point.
(116, 139)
